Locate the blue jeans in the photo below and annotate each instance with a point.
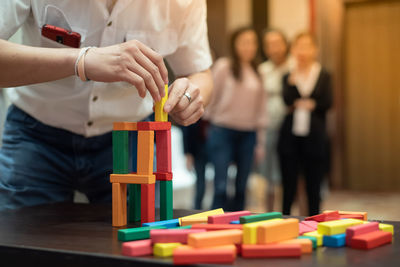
(226, 146)
(41, 164)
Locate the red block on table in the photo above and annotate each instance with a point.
(163, 150)
(371, 240)
(189, 255)
(137, 248)
(172, 235)
(352, 216)
(216, 227)
(153, 125)
(360, 229)
(227, 217)
(271, 251)
(147, 203)
(324, 217)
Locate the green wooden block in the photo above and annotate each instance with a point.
(120, 147)
(260, 217)
(166, 200)
(312, 238)
(134, 202)
(183, 227)
(138, 233)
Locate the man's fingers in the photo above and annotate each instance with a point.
(147, 78)
(156, 59)
(175, 94)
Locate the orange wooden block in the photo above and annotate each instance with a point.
(271, 251)
(145, 152)
(191, 221)
(343, 212)
(276, 231)
(306, 244)
(218, 254)
(133, 178)
(119, 204)
(215, 238)
(125, 126)
(215, 227)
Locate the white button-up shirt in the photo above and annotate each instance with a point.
(176, 29)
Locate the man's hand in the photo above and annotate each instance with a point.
(183, 110)
(131, 62)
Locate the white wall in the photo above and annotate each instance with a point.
(238, 14)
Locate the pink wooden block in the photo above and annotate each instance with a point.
(227, 217)
(360, 229)
(137, 248)
(304, 228)
(172, 235)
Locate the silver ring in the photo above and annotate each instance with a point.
(188, 96)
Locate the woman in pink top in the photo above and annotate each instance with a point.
(237, 114)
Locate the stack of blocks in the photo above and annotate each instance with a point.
(218, 237)
(142, 182)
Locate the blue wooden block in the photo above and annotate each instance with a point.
(235, 222)
(335, 241)
(167, 223)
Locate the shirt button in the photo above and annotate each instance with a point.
(109, 23)
(94, 99)
(89, 123)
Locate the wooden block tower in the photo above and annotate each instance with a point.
(142, 182)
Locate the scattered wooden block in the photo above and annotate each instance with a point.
(352, 216)
(324, 217)
(216, 227)
(227, 217)
(147, 203)
(163, 151)
(271, 251)
(341, 212)
(277, 231)
(304, 228)
(124, 126)
(138, 233)
(172, 235)
(215, 238)
(203, 214)
(371, 240)
(133, 178)
(160, 114)
(305, 244)
(316, 235)
(336, 227)
(137, 248)
(167, 223)
(219, 254)
(191, 221)
(166, 200)
(360, 229)
(260, 217)
(386, 228)
(313, 239)
(334, 241)
(164, 249)
(153, 126)
(183, 227)
(235, 222)
(119, 193)
(250, 231)
(145, 152)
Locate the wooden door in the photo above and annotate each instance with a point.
(372, 95)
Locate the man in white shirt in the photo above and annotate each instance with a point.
(57, 133)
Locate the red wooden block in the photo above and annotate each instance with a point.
(360, 229)
(216, 227)
(172, 235)
(271, 251)
(147, 203)
(352, 216)
(163, 176)
(238, 249)
(153, 125)
(227, 217)
(326, 216)
(137, 248)
(371, 240)
(163, 150)
(219, 254)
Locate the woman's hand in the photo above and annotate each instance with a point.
(185, 110)
(305, 103)
(131, 62)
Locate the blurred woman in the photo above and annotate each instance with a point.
(302, 144)
(237, 113)
(276, 48)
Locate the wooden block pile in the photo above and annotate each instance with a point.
(216, 237)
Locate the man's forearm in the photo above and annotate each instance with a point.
(21, 65)
(204, 81)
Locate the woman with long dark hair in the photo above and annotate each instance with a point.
(237, 113)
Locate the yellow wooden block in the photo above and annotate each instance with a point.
(190, 221)
(306, 244)
(160, 114)
(336, 227)
(317, 235)
(386, 228)
(250, 231)
(165, 249)
(204, 214)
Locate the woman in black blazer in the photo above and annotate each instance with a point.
(303, 141)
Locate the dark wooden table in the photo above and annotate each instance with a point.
(82, 235)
